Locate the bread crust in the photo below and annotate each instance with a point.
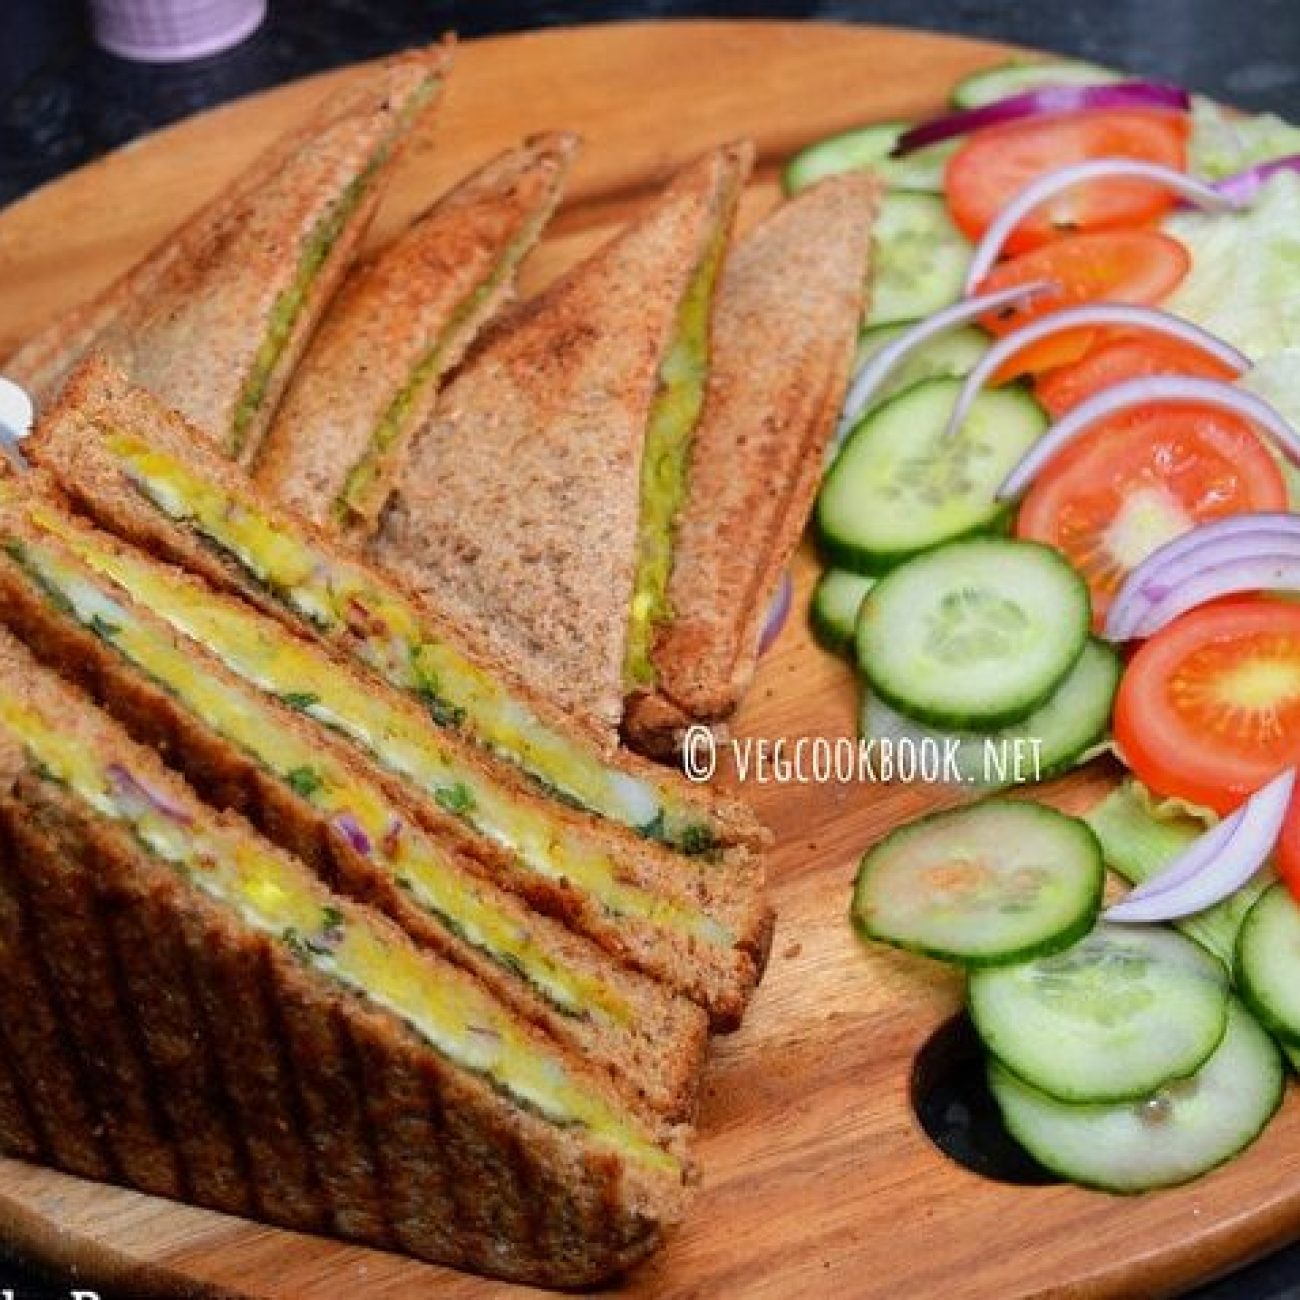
(520, 509)
(138, 1001)
(67, 443)
(785, 323)
(442, 1167)
(413, 297)
(189, 319)
(655, 1057)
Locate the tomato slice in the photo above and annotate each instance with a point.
(1119, 360)
(1136, 481)
(1132, 266)
(1209, 708)
(1286, 856)
(994, 165)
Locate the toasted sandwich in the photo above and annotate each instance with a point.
(537, 502)
(215, 318)
(784, 326)
(138, 468)
(369, 378)
(358, 781)
(188, 1010)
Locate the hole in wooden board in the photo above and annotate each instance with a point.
(951, 1098)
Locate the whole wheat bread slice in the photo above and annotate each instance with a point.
(191, 318)
(399, 323)
(519, 511)
(72, 442)
(784, 327)
(450, 861)
(164, 1037)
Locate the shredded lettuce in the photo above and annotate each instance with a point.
(1224, 142)
(1244, 283)
(1140, 834)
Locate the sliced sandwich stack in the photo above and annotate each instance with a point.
(484, 959)
(328, 894)
(612, 486)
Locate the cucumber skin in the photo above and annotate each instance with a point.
(1115, 1099)
(1287, 1035)
(792, 173)
(1069, 758)
(874, 564)
(1099, 1186)
(1118, 1099)
(1066, 938)
(961, 98)
(992, 721)
(828, 636)
(1068, 762)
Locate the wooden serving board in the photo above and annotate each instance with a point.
(817, 1178)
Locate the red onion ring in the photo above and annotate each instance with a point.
(1100, 315)
(1149, 392)
(1242, 187)
(1046, 187)
(778, 611)
(1270, 572)
(1236, 539)
(1045, 101)
(878, 368)
(1216, 864)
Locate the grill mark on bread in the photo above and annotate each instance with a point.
(345, 1053)
(139, 1074)
(220, 1095)
(329, 1114)
(72, 944)
(141, 930)
(405, 1116)
(37, 1027)
(23, 1135)
(319, 1189)
(226, 978)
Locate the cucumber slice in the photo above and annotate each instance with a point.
(1114, 1018)
(1021, 75)
(973, 635)
(899, 485)
(1052, 739)
(1268, 962)
(983, 885)
(835, 604)
(949, 356)
(869, 148)
(918, 259)
(1171, 1137)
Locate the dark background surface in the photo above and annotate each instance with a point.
(63, 102)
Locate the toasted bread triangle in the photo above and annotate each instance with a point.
(371, 372)
(215, 318)
(785, 323)
(520, 507)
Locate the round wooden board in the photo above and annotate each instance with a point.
(817, 1179)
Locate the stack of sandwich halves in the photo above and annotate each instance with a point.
(327, 894)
